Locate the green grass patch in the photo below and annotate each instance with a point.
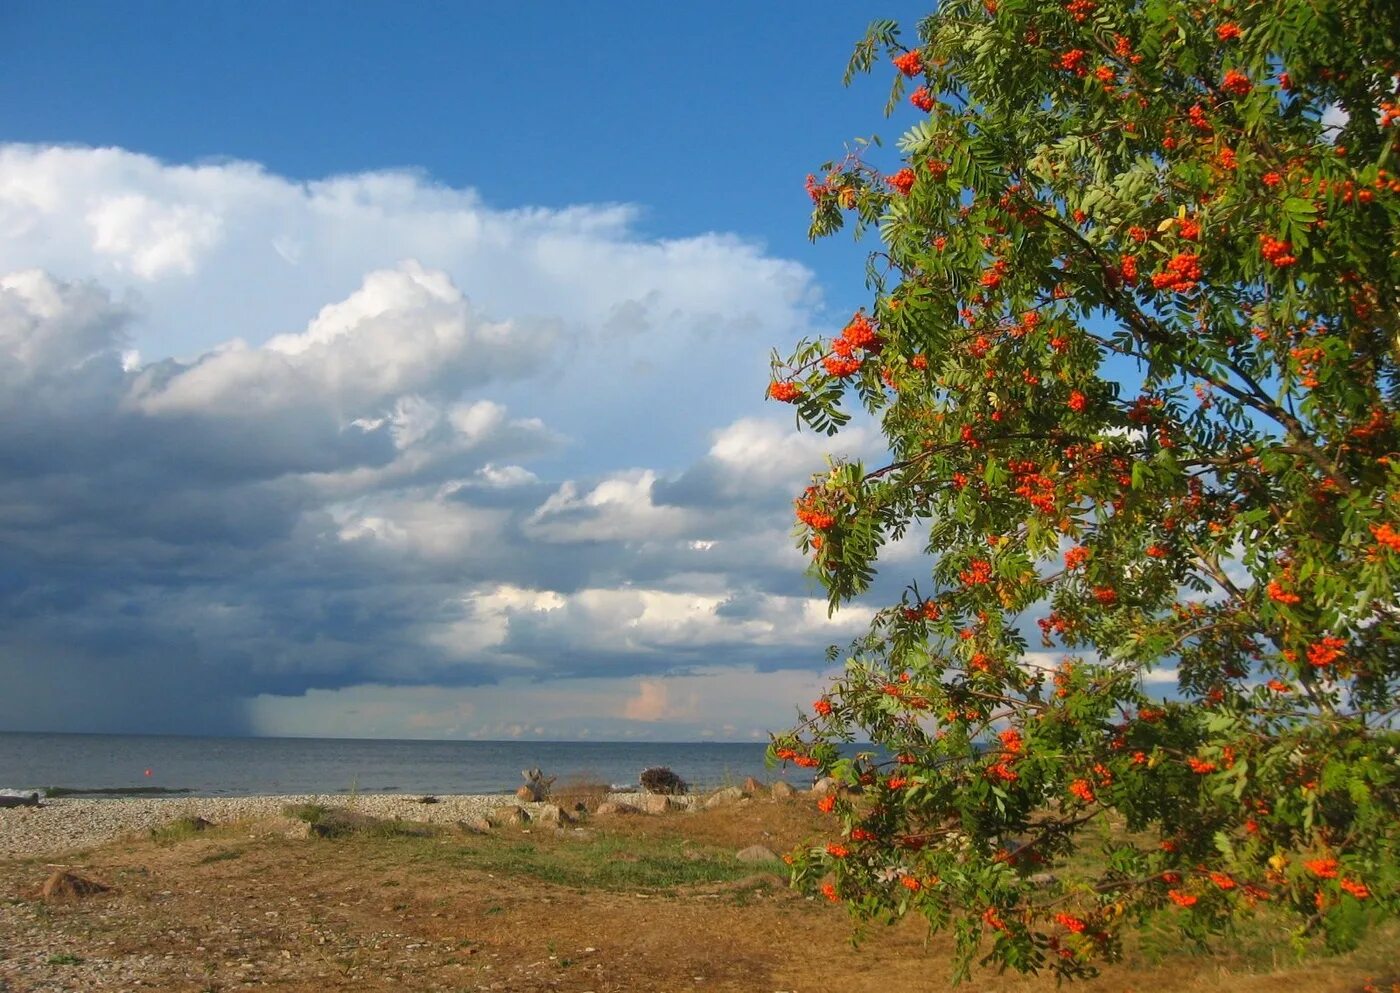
(341, 822)
(603, 863)
(308, 812)
(179, 830)
(65, 960)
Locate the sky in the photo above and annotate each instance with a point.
(397, 369)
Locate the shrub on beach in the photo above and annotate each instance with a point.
(661, 779)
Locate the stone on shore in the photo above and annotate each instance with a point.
(552, 815)
(511, 816)
(19, 798)
(724, 797)
(752, 787)
(756, 853)
(782, 790)
(609, 807)
(656, 803)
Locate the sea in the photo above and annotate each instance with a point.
(127, 765)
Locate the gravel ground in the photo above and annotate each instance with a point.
(65, 824)
(122, 943)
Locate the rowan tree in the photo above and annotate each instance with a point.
(1134, 350)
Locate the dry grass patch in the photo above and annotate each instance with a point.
(585, 788)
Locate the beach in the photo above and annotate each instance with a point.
(69, 824)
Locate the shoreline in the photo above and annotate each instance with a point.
(65, 824)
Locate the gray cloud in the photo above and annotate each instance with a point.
(409, 490)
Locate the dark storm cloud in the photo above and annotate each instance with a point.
(184, 536)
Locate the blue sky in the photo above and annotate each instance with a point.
(397, 369)
(707, 116)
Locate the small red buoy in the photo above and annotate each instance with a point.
(148, 772)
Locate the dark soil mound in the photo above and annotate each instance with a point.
(64, 886)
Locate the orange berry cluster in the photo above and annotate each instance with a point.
(1236, 83)
(1322, 868)
(860, 333)
(1181, 274)
(1012, 745)
(786, 392)
(928, 611)
(1073, 61)
(796, 758)
(811, 513)
(1308, 357)
(1032, 485)
(1326, 652)
(1070, 923)
(910, 63)
(1080, 9)
(839, 367)
(1276, 251)
(977, 573)
(1387, 536)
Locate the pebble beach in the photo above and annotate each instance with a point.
(66, 824)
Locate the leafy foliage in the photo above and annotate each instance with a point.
(1134, 348)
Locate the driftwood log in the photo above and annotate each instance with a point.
(536, 787)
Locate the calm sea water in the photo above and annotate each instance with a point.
(252, 766)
